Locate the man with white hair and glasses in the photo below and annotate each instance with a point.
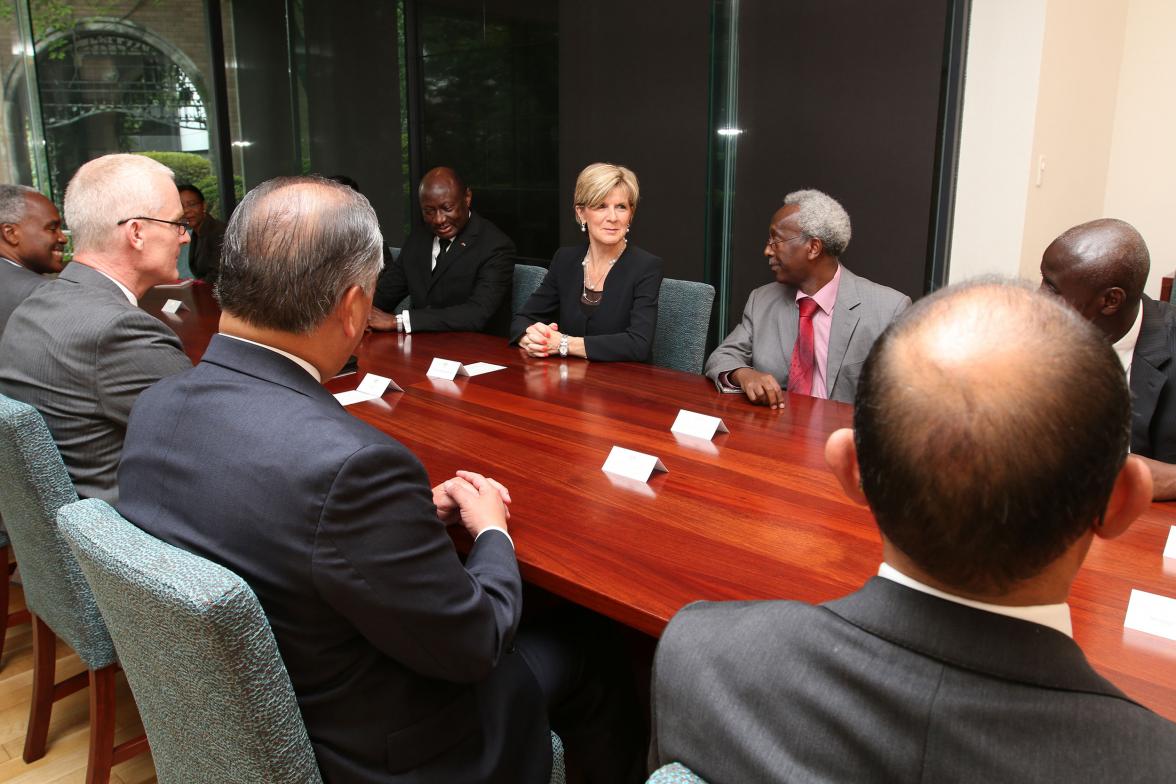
(78, 348)
(809, 331)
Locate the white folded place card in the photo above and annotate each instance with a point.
(371, 388)
(478, 368)
(690, 423)
(447, 369)
(172, 306)
(634, 465)
(1170, 549)
(1151, 613)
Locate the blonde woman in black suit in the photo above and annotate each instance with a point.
(599, 298)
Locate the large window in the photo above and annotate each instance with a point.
(108, 76)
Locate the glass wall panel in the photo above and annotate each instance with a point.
(22, 141)
(314, 86)
(124, 76)
(489, 107)
(836, 95)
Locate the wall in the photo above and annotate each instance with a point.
(1086, 83)
(1076, 101)
(1005, 40)
(1141, 182)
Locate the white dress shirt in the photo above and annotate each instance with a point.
(1055, 616)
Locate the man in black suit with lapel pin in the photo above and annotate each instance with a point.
(457, 269)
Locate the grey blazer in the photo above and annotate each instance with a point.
(16, 283)
(891, 684)
(80, 353)
(764, 338)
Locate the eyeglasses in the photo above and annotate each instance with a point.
(785, 239)
(182, 226)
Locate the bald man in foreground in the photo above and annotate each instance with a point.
(989, 473)
(1100, 269)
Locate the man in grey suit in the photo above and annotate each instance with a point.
(31, 244)
(810, 330)
(989, 473)
(78, 348)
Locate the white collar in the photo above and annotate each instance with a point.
(133, 299)
(1055, 616)
(302, 363)
(1125, 346)
(13, 263)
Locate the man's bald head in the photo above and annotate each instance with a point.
(292, 249)
(1100, 269)
(442, 177)
(990, 424)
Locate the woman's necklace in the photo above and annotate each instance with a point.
(592, 292)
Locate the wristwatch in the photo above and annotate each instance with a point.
(563, 346)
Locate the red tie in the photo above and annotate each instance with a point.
(800, 375)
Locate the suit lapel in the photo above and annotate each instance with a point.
(845, 320)
(787, 324)
(461, 243)
(971, 639)
(1148, 376)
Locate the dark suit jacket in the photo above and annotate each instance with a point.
(623, 324)
(766, 335)
(16, 283)
(400, 656)
(80, 353)
(468, 292)
(890, 684)
(204, 255)
(1153, 384)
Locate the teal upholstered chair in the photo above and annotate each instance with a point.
(527, 278)
(198, 652)
(683, 320)
(674, 773)
(33, 486)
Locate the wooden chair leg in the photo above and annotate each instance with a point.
(101, 725)
(44, 670)
(4, 583)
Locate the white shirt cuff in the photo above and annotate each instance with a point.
(406, 321)
(500, 530)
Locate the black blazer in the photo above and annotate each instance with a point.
(1153, 384)
(204, 255)
(622, 326)
(468, 292)
(400, 656)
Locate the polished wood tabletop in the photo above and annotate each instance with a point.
(752, 514)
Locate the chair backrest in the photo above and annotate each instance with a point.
(674, 773)
(527, 278)
(683, 320)
(33, 486)
(213, 693)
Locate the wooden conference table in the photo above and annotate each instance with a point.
(753, 514)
